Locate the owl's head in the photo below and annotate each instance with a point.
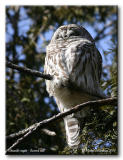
(71, 31)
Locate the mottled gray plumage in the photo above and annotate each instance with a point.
(76, 65)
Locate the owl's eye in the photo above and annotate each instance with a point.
(58, 36)
(74, 33)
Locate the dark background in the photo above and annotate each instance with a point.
(28, 31)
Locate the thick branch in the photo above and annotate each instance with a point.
(42, 124)
(29, 71)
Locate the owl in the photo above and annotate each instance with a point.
(76, 65)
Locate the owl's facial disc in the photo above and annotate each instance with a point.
(71, 32)
(68, 33)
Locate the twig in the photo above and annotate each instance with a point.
(29, 71)
(42, 124)
(18, 141)
(27, 132)
(24, 131)
(48, 132)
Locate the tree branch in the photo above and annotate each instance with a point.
(29, 71)
(27, 132)
(24, 131)
(42, 124)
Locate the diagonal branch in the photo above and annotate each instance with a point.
(24, 131)
(42, 124)
(29, 71)
(28, 133)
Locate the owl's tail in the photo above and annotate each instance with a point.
(72, 130)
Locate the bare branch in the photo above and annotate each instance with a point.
(48, 132)
(29, 71)
(24, 131)
(42, 124)
(18, 141)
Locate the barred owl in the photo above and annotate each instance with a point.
(76, 65)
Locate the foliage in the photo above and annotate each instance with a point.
(28, 31)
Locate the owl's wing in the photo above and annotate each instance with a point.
(84, 66)
(99, 63)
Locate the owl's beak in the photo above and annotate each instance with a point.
(65, 36)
